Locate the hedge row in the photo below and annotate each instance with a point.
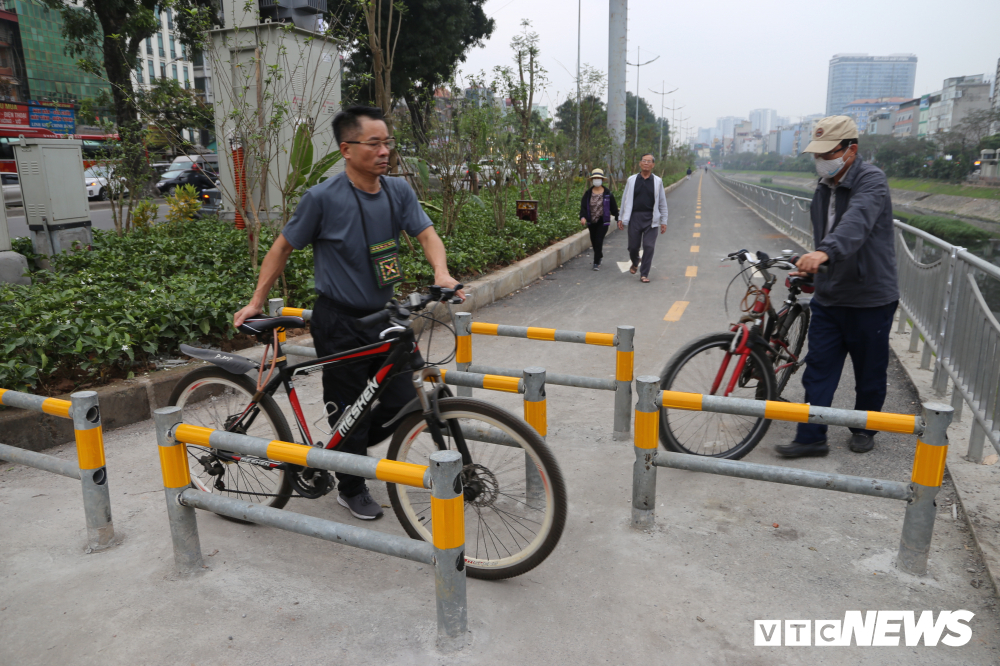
(102, 313)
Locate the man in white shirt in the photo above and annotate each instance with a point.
(644, 204)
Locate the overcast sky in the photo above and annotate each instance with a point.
(727, 58)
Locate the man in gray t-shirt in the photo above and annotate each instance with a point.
(352, 220)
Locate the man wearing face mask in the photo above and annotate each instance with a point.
(856, 298)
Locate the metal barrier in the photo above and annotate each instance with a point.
(941, 295)
(443, 477)
(90, 470)
(919, 494)
(465, 328)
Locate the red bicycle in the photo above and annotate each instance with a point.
(754, 359)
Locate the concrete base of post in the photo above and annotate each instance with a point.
(644, 489)
(918, 528)
(13, 266)
(183, 533)
(977, 443)
(97, 508)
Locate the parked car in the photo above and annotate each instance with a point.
(211, 202)
(95, 179)
(208, 161)
(11, 190)
(197, 177)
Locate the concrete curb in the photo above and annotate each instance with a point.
(134, 400)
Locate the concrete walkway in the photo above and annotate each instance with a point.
(686, 592)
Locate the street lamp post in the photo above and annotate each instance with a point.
(662, 96)
(637, 65)
(579, 10)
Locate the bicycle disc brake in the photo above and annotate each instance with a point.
(479, 485)
(310, 483)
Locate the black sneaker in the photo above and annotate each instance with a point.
(861, 442)
(361, 506)
(597, 267)
(800, 450)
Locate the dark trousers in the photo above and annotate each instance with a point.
(642, 233)
(835, 332)
(597, 233)
(333, 331)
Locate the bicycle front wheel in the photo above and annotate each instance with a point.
(515, 497)
(789, 359)
(694, 369)
(214, 398)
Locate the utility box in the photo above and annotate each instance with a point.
(54, 193)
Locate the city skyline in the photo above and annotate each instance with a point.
(721, 68)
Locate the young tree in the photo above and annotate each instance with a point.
(520, 87)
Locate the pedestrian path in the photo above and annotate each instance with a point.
(725, 551)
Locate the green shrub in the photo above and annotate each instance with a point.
(144, 214)
(101, 313)
(183, 206)
(766, 180)
(948, 229)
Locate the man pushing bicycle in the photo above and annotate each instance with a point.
(353, 221)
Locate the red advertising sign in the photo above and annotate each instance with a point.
(14, 114)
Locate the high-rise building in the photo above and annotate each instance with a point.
(959, 96)
(727, 124)
(52, 76)
(764, 120)
(861, 76)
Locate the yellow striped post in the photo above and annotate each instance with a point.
(448, 537)
(928, 472)
(535, 415)
(647, 423)
(463, 349)
(87, 431)
(624, 369)
(176, 479)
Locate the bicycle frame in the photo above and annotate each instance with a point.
(762, 332)
(398, 353)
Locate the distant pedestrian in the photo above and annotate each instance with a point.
(854, 302)
(644, 204)
(689, 173)
(597, 208)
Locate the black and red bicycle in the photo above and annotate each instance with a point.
(515, 497)
(754, 359)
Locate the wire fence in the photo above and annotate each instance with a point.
(946, 293)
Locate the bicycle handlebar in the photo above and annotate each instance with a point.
(786, 261)
(399, 312)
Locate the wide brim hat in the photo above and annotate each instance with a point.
(829, 132)
(598, 173)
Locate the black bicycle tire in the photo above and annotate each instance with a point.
(282, 430)
(674, 365)
(544, 456)
(794, 345)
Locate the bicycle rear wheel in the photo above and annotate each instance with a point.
(693, 369)
(796, 325)
(214, 398)
(515, 498)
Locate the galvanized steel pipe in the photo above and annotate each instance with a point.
(41, 461)
(577, 381)
(844, 483)
(348, 535)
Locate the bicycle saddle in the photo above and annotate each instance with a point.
(258, 325)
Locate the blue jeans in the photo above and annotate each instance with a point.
(835, 332)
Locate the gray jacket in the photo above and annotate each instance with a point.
(862, 266)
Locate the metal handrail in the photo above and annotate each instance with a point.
(942, 302)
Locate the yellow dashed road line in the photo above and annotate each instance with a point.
(697, 234)
(697, 224)
(692, 271)
(675, 311)
(695, 248)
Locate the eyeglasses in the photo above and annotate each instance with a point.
(390, 144)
